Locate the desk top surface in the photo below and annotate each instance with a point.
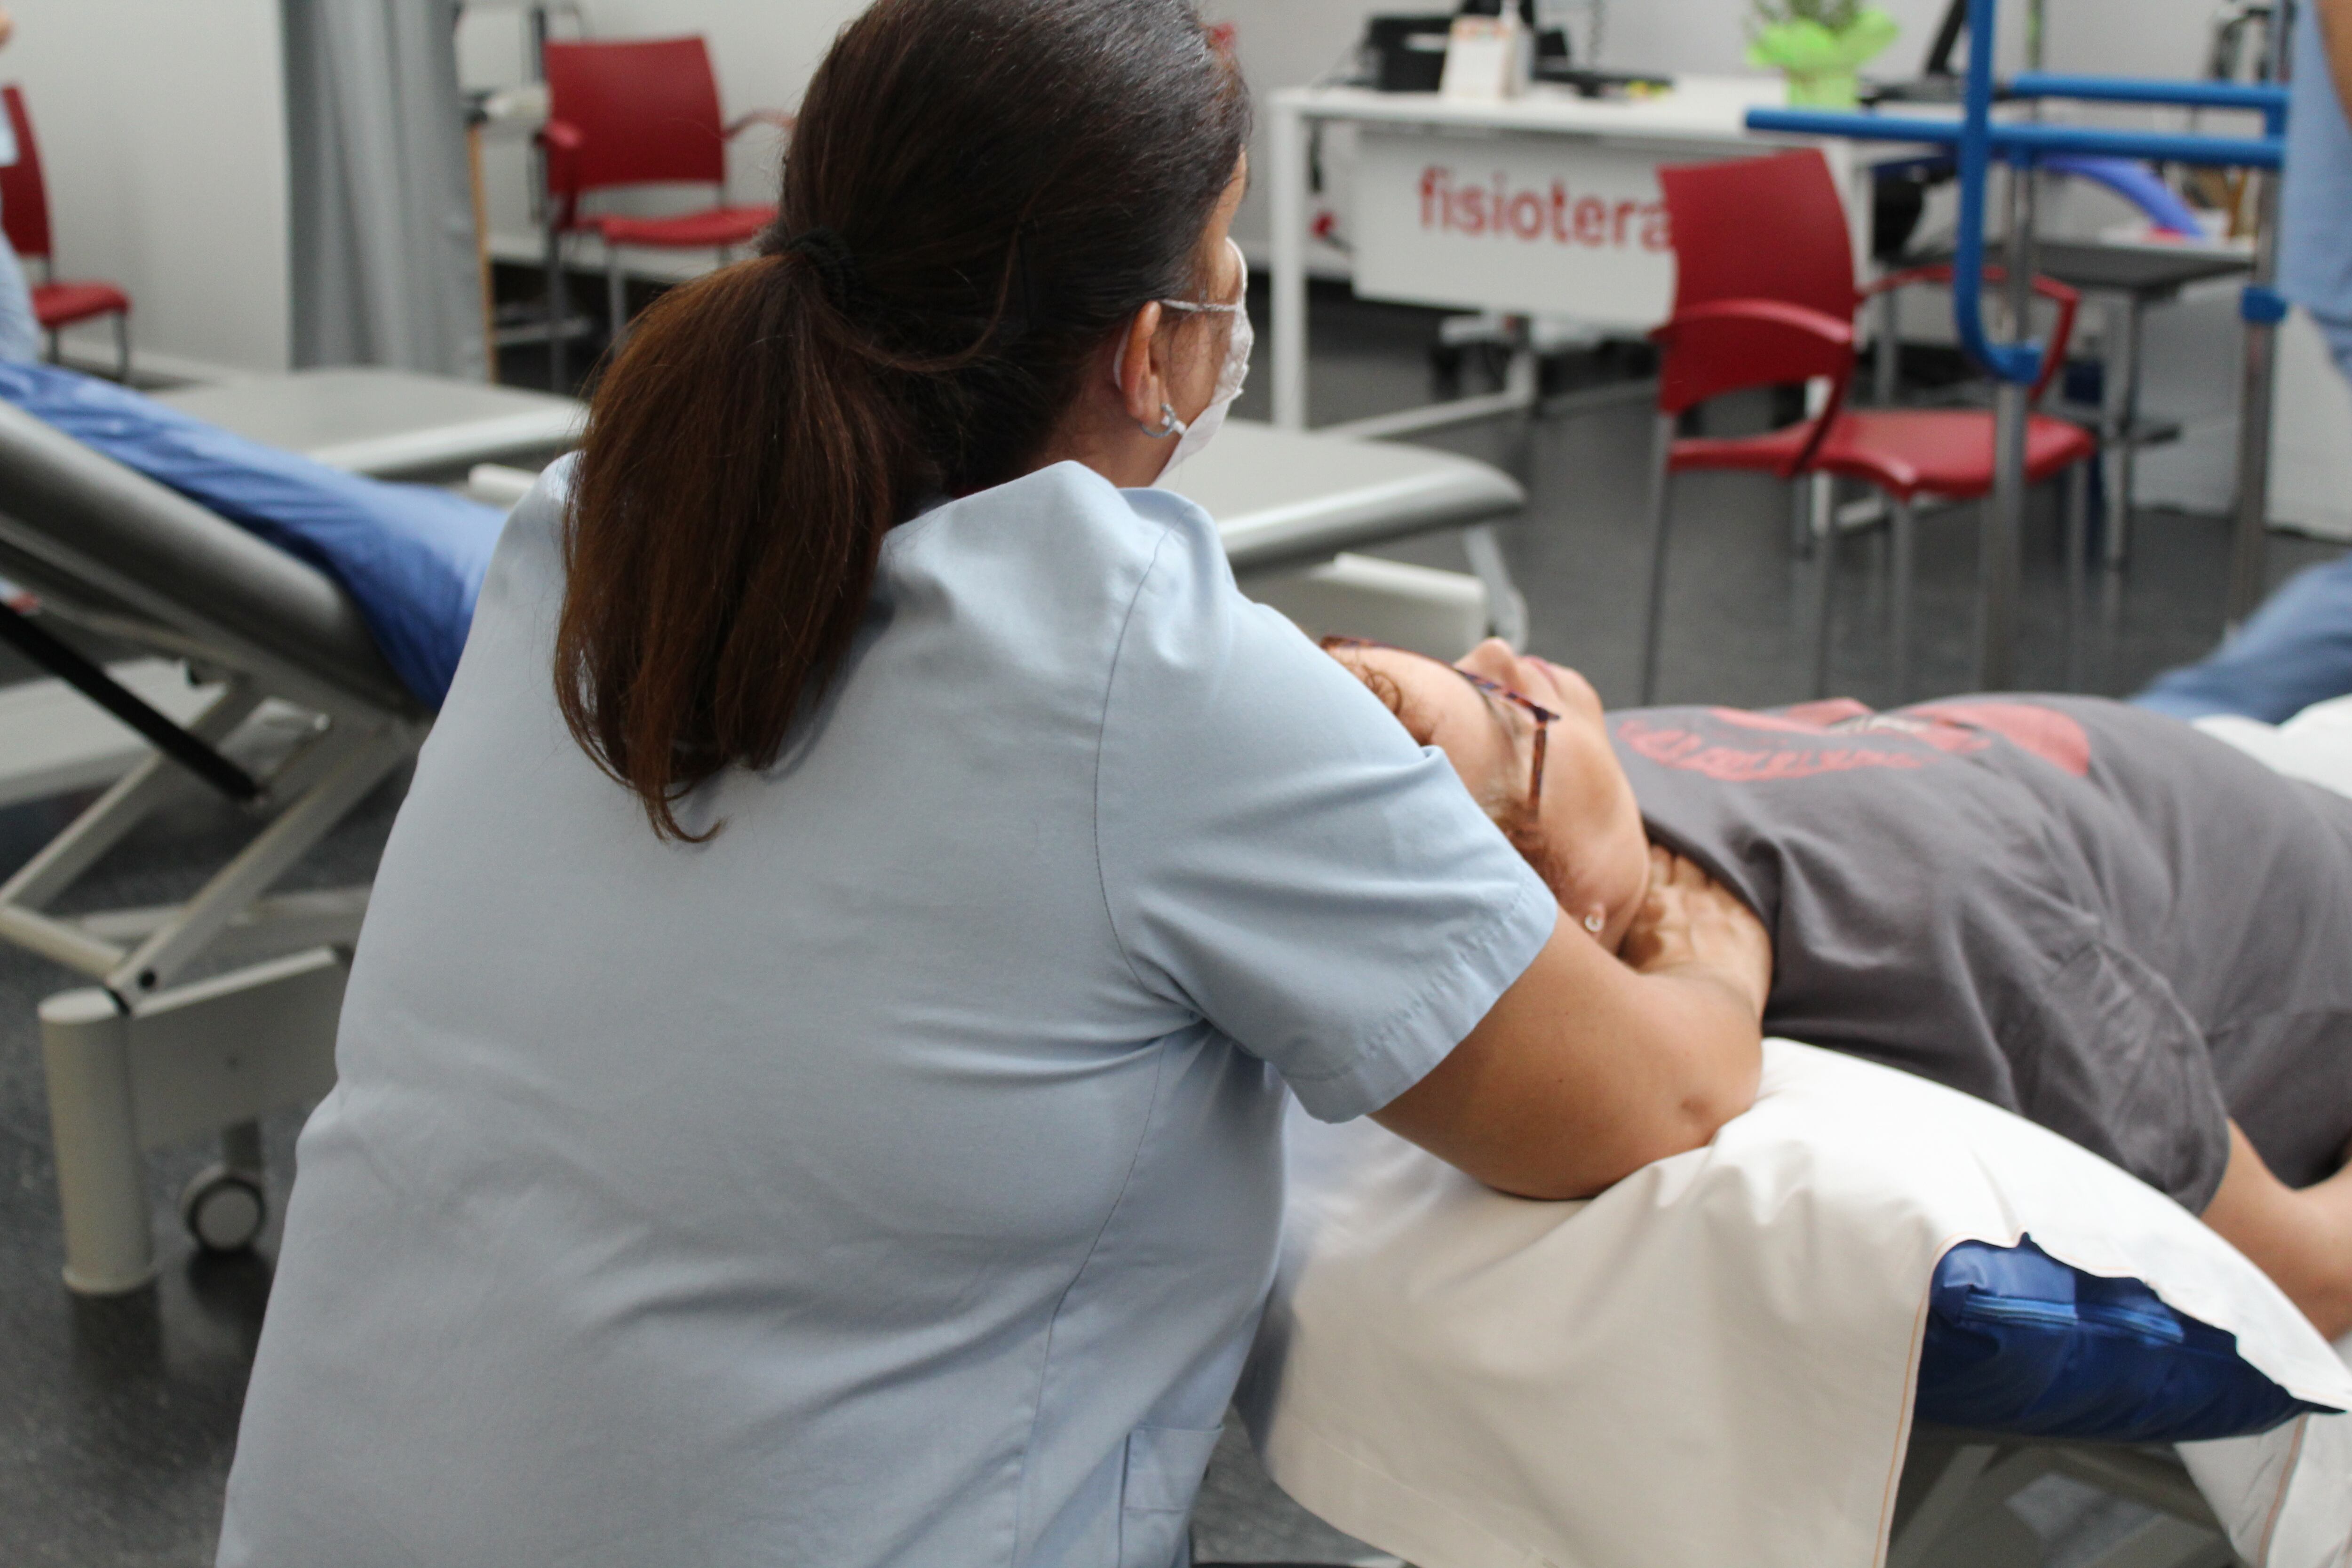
(2148, 270)
(1697, 108)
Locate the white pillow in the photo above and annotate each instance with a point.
(2314, 745)
(1714, 1362)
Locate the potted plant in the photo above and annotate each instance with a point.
(1818, 45)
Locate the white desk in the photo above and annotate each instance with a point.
(1607, 264)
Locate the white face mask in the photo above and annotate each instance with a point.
(1231, 374)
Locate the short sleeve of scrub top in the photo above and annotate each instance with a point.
(1278, 854)
(896, 1178)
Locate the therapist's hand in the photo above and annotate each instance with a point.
(1689, 922)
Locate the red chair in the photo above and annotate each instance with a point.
(637, 111)
(24, 213)
(1765, 296)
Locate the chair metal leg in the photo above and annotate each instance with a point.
(557, 314)
(1997, 554)
(2077, 547)
(1902, 541)
(616, 301)
(2119, 502)
(1800, 518)
(1661, 497)
(1825, 576)
(1884, 367)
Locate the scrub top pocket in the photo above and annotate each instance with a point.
(1164, 1466)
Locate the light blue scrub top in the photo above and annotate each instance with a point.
(2315, 203)
(896, 1178)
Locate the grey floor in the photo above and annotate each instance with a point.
(117, 1418)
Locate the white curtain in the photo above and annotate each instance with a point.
(383, 259)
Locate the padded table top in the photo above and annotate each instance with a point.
(1289, 498)
(1281, 497)
(368, 420)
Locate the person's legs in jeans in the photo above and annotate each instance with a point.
(2293, 651)
(20, 334)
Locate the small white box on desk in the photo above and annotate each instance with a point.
(1487, 59)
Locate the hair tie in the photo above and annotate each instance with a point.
(836, 266)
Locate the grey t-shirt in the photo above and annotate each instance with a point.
(2090, 914)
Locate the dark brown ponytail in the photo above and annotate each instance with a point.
(979, 193)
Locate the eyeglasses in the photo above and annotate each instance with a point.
(1541, 715)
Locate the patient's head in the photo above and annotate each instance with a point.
(1579, 827)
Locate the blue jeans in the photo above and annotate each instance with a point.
(20, 334)
(2293, 651)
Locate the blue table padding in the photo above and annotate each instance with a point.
(411, 556)
(2022, 1344)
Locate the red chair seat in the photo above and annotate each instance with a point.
(706, 230)
(1944, 451)
(1769, 453)
(1904, 451)
(56, 305)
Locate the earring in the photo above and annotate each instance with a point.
(1169, 424)
(1594, 922)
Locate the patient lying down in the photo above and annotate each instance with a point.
(2093, 915)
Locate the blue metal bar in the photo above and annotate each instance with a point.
(2261, 98)
(2019, 361)
(2029, 140)
(2163, 146)
(2258, 97)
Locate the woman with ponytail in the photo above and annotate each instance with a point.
(810, 1080)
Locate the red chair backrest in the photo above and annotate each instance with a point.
(24, 197)
(1756, 228)
(646, 111)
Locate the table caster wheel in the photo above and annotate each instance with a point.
(224, 1209)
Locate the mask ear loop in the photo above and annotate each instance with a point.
(1169, 425)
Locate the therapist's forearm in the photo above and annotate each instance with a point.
(2336, 31)
(1584, 1072)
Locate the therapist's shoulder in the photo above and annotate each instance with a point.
(1063, 548)
(530, 553)
(1073, 513)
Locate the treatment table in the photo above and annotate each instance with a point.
(211, 1014)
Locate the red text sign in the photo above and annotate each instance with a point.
(1498, 208)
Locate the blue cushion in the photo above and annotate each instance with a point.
(411, 556)
(2022, 1344)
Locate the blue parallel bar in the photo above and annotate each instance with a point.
(2259, 98)
(2029, 140)
(2263, 98)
